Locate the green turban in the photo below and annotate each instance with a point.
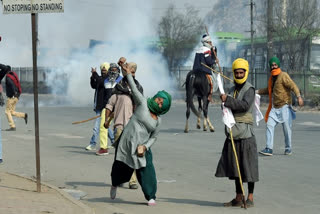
(154, 107)
(274, 60)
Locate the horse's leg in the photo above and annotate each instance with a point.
(199, 110)
(186, 128)
(205, 113)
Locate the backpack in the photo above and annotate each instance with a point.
(14, 77)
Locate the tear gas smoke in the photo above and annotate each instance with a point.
(125, 28)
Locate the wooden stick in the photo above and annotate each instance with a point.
(238, 168)
(83, 121)
(216, 72)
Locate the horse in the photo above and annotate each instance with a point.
(197, 84)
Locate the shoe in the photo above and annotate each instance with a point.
(249, 203)
(113, 192)
(288, 152)
(11, 129)
(26, 118)
(133, 186)
(102, 152)
(151, 202)
(1, 160)
(233, 203)
(91, 147)
(266, 151)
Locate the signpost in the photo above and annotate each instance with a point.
(34, 7)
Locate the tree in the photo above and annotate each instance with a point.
(296, 22)
(179, 33)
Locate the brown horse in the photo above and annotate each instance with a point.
(197, 84)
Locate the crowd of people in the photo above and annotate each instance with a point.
(137, 119)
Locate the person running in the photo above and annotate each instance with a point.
(133, 148)
(241, 101)
(13, 92)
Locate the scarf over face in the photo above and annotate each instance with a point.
(274, 72)
(153, 105)
(240, 64)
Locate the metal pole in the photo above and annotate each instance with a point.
(270, 30)
(251, 30)
(34, 26)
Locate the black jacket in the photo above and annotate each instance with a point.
(102, 93)
(11, 89)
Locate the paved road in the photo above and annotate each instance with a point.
(185, 164)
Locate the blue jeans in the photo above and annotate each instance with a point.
(283, 115)
(96, 131)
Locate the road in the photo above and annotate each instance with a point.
(185, 164)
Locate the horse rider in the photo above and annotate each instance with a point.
(205, 54)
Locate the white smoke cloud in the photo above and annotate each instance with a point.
(64, 38)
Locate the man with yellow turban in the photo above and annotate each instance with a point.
(241, 102)
(279, 89)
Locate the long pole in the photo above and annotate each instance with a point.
(34, 26)
(238, 168)
(270, 30)
(252, 32)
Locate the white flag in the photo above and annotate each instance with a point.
(257, 113)
(227, 116)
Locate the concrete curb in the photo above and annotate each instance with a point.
(86, 209)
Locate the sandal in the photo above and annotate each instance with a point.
(233, 203)
(249, 203)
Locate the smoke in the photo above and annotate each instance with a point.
(127, 28)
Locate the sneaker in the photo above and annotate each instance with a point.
(102, 152)
(26, 118)
(113, 192)
(288, 152)
(266, 151)
(133, 186)
(91, 147)
(11, 129)
(151, 202)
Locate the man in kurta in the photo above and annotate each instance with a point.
(279, 89)
(241, 101)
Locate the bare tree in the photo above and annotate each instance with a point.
(295, 23)
(179, 34)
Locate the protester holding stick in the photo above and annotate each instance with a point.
(241, 101)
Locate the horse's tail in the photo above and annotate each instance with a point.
(190, 93)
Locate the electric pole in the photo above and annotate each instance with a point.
(252, 32)
(269, 30)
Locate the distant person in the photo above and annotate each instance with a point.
(279, 89)
(122, 107)
(13, 92)
(112, 78)
(3, 71)
(205, 54)
(240, 100)
(133, 148)
(97, 83)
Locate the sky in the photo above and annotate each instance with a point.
(64, 40)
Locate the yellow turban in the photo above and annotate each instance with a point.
(240, 64)
(105, 66)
